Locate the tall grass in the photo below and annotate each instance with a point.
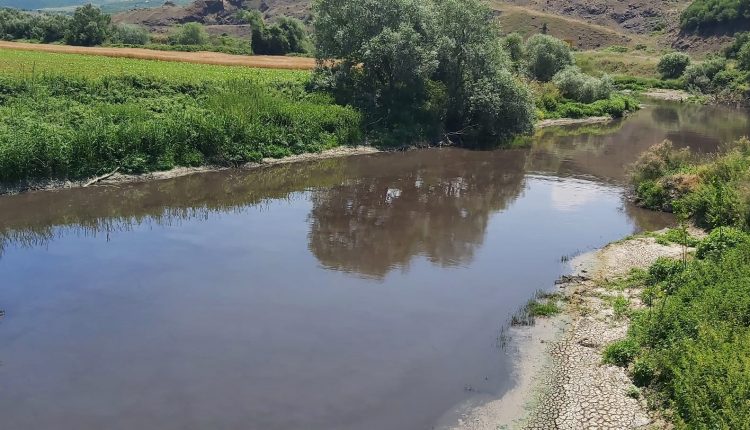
(71, 127)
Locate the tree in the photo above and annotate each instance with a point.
(88, 27)
(425, 65)
(130, 34)
(546, 56)
(192, 33)
(673, 65)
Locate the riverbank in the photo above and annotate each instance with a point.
(561, 380)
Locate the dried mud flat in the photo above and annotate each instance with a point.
(562, 382)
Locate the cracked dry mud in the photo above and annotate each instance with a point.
(577, 391)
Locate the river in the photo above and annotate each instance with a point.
(366, 293)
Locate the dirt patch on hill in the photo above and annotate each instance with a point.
(258, 61)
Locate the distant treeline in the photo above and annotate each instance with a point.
(88, 26)
(705, 14)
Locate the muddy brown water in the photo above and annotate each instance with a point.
(360, 293)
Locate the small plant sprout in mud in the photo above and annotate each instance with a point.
(543, 304)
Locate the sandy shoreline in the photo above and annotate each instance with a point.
(561, 382)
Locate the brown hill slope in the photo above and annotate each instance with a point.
(588, 24)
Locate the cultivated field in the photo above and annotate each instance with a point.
(258, 61)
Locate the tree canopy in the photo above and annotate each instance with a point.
(421, 67)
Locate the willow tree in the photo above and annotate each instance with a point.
(421, 68)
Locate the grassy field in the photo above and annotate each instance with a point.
(70, 116)
(618, 64)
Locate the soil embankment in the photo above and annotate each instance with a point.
(202, 57)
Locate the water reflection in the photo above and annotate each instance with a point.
(439, 208)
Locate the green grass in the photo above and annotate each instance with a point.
(17, 63)
(79, 116)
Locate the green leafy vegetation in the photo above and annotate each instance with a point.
(551, 104)
(704, 15)
(546, 56)
(422, 70)
(89, 27)
(713, 192)
(691, 345)
(673, 65)
(287, 35)
(72, 126)
(577, 86)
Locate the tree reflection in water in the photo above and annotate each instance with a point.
(439, 209)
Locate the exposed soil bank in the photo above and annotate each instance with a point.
(202, 57)
(668, 95)
(573, 121)
(561, 380)
(118, 178)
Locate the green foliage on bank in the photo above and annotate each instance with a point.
(422, 70)
(66, 127)
(713, 192)
(691, 344)
(705, 15)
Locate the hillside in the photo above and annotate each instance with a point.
(587, 24)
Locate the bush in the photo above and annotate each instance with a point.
(88, 27)
(740, 39)
(673, 65)
(513, 45)
(743, 57)
(720, 240)
(130, 34)
(704, 14)
(621, 353)
(693, 346)
(47, 28)
(191, 33)
(288, 35)
(663, 270)
(546, 56)
(700, 76)
(575, 85)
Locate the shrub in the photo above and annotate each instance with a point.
(693, 348)
(740, 39)
(546, 56)
(191, 33)
(663, 270)
(621, 353)
(743, 57)
(704, 14)
(47, 28)
(130, 34)
(513, 45)
(720, 240)
(673, 65)
(580, 87)
(700, 76)
(500, 107)
(88, 27)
